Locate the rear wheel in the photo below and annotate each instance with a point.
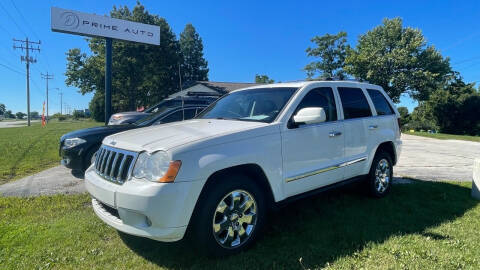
(230, 217)
(381, 175)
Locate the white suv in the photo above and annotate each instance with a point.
(216, 176)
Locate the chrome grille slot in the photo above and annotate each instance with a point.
(113, 164)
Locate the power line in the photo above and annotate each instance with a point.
(11, 18)
(25, 20)
(5, 30)
(11, 69)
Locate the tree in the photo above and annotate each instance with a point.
(421, 118)
(20, 115)
(2, 109)
(404, 115)
(142, 74)
(263, 79)
(398, 59)
(34, 115)
(194, 67)
(78, 114)
(456, 107)
(9, 114)
(331, 51)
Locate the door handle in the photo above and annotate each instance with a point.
(334, 134)
(372, 127)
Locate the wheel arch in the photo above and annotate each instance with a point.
(388, 147)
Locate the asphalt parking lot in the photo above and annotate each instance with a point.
(422, 158)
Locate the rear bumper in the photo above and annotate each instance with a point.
(154, 210)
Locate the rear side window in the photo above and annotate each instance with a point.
(354, 103)
(320, 97)
(380, 102)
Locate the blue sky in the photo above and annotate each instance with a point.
(241, 38)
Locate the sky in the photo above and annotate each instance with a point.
(241, 38)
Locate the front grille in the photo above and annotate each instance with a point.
(113, 164)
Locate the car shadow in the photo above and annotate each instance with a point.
(79, 174)
(324, 228)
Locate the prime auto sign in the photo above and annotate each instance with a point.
(79, 23)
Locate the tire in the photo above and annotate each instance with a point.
(217, 220)
(380, 177)
(88, 160)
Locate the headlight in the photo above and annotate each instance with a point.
(156, 167)
(69, 143)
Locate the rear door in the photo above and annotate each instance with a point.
(356, 113)
(312, 152)
(382, 127)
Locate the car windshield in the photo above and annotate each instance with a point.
(261, 105)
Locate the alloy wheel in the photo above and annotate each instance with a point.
(382, 176)
(234, 219)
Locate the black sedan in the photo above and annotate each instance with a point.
(78, 148)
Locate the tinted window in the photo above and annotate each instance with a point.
(176, 116)
(320, 97)
(190, 113)
(380, 102)
(354, 103)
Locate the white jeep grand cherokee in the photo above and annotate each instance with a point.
(216, 176)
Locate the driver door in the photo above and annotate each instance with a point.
(312, 153)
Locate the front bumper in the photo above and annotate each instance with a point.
(72, 158)
(159, 211)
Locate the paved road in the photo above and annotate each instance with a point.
(422, 158)
(9, 124)
(432, 159)
(51, 181)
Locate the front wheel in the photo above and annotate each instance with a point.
(381, 175)
(230, 217)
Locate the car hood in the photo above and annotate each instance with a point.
(103, 130)
(167, 136)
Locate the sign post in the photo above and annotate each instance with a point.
(108, 79)
(85, 24)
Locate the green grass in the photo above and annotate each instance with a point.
(443, 136)
(424, 225)
(27, 150)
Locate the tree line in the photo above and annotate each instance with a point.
(142, 74)
(399, 59)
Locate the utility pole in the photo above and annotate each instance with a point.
(61, 100)
(47, 77)
(25, 45)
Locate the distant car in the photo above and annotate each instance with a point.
(133, 116)
(78, 148)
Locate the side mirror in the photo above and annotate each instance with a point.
(312, 115)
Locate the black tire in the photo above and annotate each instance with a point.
(87, 161)
(380, 187)
(206, 214)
